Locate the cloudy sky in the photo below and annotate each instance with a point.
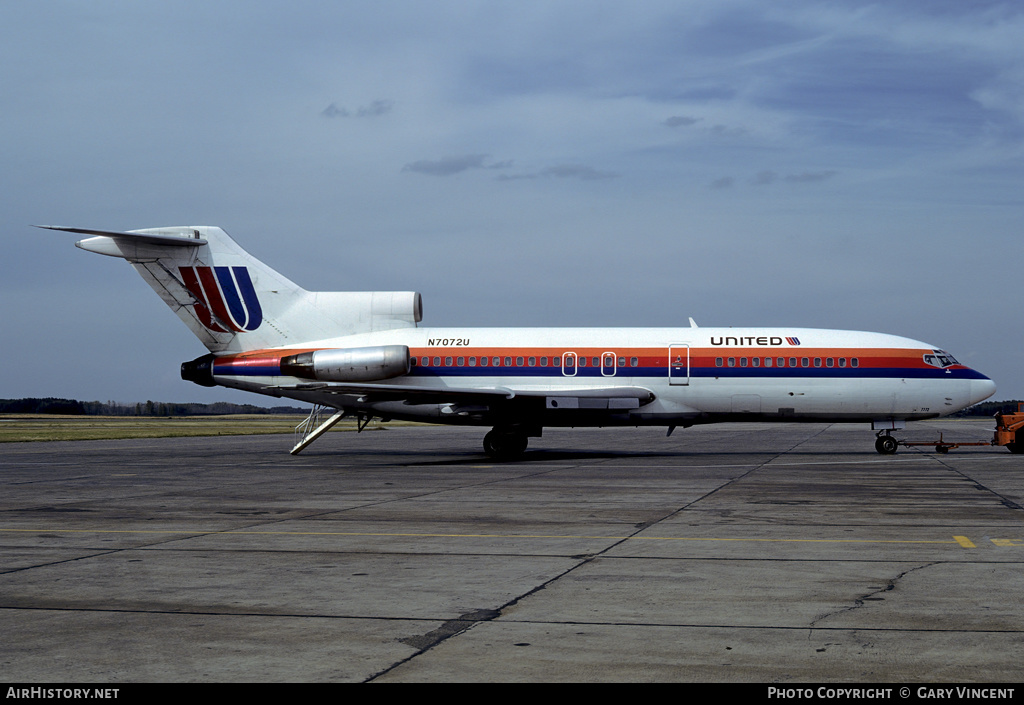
(841, 164)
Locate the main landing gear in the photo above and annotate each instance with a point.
(886, 444)
(505, 442)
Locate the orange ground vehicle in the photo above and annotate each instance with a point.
(1010, 430)
(1009, 433)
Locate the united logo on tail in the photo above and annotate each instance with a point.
(225, 298)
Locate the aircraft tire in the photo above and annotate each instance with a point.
(886, 445)
(505, 444)
(1015, 447)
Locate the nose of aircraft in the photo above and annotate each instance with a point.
(981, 389)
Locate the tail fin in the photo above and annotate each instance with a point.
(233, 302)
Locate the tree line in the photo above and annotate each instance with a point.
(74, 407)
(990, 408)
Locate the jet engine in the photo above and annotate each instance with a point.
(349, 364)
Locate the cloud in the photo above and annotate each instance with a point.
(333, 111)
(764, 178)
(375, 109)
(723, 183)
(808, 177)
(680, 121)
(578, 171)
(727, 131)
(564, 171)
(447, 166)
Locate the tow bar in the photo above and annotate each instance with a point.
(1007, 428)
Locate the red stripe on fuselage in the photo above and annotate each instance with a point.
(887, 358)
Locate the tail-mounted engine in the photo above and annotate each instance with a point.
(199, 371)
(349, 364)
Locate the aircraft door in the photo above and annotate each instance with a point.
(608, 364)
(679, 363)
(569, 364)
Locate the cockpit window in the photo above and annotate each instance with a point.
(939, 358)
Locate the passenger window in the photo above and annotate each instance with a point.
(461, 362)
(447, 362)
(437, 362)
(781, 362)
(792, 362)
(543, 362)
(633, 362)
(718, 362)
(519, 362)
(508, 362)
(817, 362)
(805, 362)
(756, 362)
(829, 362)
(743, 362)
(532, 362)
(732, 362)
(854, 362)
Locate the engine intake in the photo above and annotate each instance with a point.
(349, 364)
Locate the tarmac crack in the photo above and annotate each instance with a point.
(1005, 501)
(872, 596)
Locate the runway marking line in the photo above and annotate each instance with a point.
(959, 540)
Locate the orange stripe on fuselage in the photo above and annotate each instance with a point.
(699, 357)
(646, 357)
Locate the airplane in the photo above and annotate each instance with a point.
(363, 355)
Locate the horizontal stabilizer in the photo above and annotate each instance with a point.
(148, 237)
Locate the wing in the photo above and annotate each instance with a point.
(555, 397)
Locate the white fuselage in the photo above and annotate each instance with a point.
(695, 375)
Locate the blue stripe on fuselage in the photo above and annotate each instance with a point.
(591, 373)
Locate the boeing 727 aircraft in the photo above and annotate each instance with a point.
(363, 354)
